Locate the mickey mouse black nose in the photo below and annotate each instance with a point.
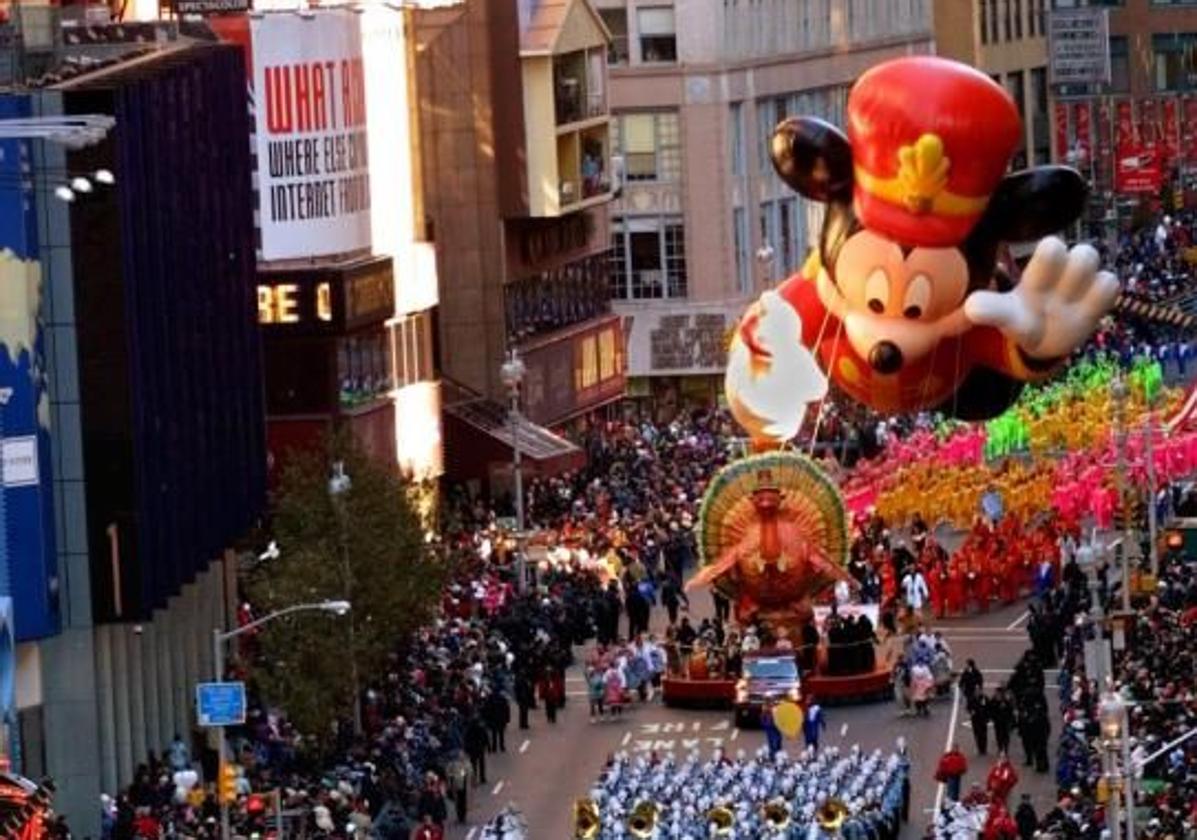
(885, 357)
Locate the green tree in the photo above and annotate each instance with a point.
(365, 545)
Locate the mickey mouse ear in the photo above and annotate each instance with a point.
(814, 158)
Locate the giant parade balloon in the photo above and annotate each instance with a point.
(903, 303)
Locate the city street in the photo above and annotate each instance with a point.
(546, 767)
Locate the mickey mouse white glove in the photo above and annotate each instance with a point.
(1056, 305)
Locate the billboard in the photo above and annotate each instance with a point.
(28, 562)
(1078, 46)
(313, 152)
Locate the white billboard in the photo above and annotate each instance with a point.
(1079, 46)
(311, 139)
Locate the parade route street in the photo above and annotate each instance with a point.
(547, 767)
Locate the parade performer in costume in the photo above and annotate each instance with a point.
(902, 301)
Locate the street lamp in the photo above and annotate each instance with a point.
(1111, 714)
(765, 255)
(512, 373)
(220, 637)
(339, 484)
(1120, 392)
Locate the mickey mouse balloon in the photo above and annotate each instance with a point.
(902, 302)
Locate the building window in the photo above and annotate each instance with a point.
(1016, 13)
(617, 23)
(740, 234)
(362, 369)
(735, 133)
(1119, 64)
(648, 258)
(411, 350)
(782, 229)
(658, 37)
(650, 144)
(1040, 133)
(578, 86)
(1006, 9)
(993, 21)
(1175, 61)
(983, 6)
(568, 294)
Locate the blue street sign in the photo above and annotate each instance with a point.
(220, 703)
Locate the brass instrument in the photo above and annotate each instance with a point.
(586, 819)
(722, 820)
(831, 815)
(642, 822)
(777, 814)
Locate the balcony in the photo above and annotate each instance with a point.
(570, 294)
(583, 167)
(579, 86)
(563, 58)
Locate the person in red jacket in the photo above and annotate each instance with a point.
(1002, 779)
(999, 825)
(952, 767)
(428, 830)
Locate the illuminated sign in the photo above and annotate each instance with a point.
(295, 303)
(329, 300)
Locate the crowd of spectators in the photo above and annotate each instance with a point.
(1155, 674)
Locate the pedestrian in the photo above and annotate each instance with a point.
(922, 686)
(971, 682)
(1001, 712)
(772, 733)
(552, 692)
(497, 714)
(813, 724)
(673, 597)
(722, 606)
(979, 715)
(950, 772)
(457, 779)
(915, 591)
(431, 804)
(1001, 780)
(428, 830)
(476, 742)
(1026, 818)
(525, 695)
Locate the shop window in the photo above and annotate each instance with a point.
(658, 35)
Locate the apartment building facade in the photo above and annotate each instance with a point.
(702, 224)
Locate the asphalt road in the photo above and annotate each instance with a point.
(546, 767)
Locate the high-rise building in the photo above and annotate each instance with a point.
(1008, 40)
(1134, 136)
(137, 305)
(518, 172)
(703, 223)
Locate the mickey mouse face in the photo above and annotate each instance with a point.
(896, 303)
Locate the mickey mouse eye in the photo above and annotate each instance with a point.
(918, 297)
(877, 291)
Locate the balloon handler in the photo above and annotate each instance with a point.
(903, 302)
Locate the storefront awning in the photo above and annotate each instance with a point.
(535, 441)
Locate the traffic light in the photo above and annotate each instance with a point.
(227, 785)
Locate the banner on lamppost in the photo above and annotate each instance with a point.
(1060, 122)
(1079, 46)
